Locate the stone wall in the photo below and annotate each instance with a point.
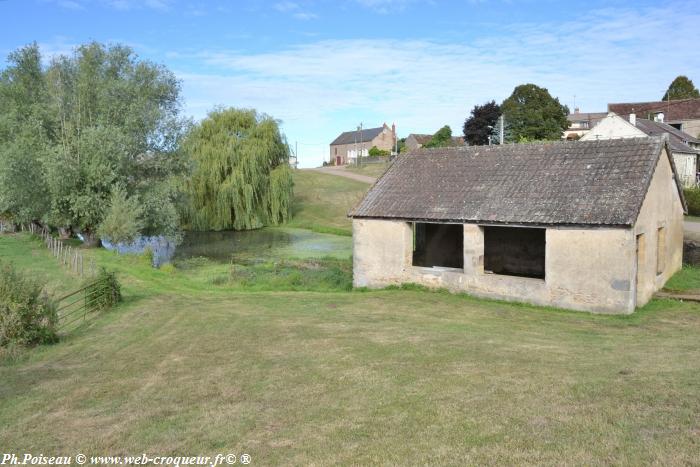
(585, 269)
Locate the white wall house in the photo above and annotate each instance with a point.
(684, 147)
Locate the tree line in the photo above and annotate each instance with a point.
(95, 143)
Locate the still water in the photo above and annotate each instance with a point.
(251, 245)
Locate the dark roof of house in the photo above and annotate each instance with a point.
(677, 138)
(420, 138)
(350, 137)
(424, 139)
(601, 182)
(681, 109)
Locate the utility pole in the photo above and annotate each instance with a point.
(501, 122)
(356, 146)
(296, 154)
(359, 156)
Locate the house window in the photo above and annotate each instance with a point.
(660, 250)
(438, 245)
(514, 251)
(336, 151)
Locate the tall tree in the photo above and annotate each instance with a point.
(480, 124)
(25, 133)
(241, 178)
(533, 114)
(681, 88)
(441, 138)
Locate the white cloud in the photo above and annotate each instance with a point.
(321, 88)
(296, 10)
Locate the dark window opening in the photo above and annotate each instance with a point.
(514, 251)
(438, 245)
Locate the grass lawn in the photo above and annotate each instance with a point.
(322, 202)
(398, 376)
(372, 170)
(692, 218)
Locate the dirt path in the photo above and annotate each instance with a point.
(341, 172)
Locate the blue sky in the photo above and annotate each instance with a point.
(322, 67)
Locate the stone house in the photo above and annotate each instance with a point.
(685, 148)
(581, 123)
(347, 145)
(594, 226)
(683, 114)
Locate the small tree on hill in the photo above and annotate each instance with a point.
(481, 123)
(681, 88)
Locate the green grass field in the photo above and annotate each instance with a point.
(322, 202)
(193, 365)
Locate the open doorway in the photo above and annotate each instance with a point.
(438, 245)
(515, 251)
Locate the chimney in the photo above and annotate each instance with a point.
(633, 119)
(393, 128)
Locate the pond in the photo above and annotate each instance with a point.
(243, 246)
(263, 244)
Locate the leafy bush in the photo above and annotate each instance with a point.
(27, 315)
(692, 198)
(122, 223)
(106, 291)
(376, 152)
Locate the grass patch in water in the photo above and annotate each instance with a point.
(325, 274)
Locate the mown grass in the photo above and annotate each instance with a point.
(401, 376)
(371, 170)
(322, 202)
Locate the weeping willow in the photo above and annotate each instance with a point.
(241, 178)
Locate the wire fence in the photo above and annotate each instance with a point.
(77, 305)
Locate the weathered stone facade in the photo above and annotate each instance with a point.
(603, 269)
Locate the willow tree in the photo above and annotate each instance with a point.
(241, 178)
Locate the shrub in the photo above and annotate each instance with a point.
(106, 291)
(692, 198)
(27, 315)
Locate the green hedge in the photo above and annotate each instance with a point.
(692, 198)
(27, 315)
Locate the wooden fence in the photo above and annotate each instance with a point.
(68, 257)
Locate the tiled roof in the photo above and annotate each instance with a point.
(592, 117)
(420, 138)
(677, 138)
(350, 137)
(600, 182)
(682, 109)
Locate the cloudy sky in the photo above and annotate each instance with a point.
(322, 66)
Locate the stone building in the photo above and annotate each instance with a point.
(684, 148)
(347, 145)
(594, 226)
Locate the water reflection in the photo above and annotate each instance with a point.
(241, 246)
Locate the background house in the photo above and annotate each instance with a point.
(418, 140)
(345, 148)
(580, 123)
(594, 226)
(684, 148)
(683, 114)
